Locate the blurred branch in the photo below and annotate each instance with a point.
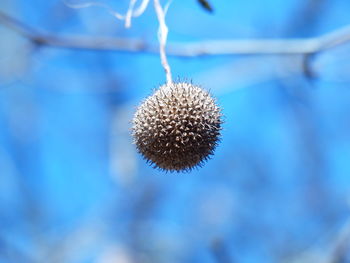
(340, 247)
(336, 252)
(92, 43)
(202, 48)
(220, 251)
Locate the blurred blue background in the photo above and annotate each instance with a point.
(74, 189)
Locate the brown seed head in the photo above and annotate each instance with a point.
(178, 127)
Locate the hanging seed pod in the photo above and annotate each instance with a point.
(178, 127)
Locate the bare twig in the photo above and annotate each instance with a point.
(202, 48)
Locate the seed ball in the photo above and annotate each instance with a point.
(178, 127)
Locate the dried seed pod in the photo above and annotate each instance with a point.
(178, 127)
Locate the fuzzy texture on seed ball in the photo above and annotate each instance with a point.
(178, 127)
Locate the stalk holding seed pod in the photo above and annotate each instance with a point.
(178, 127)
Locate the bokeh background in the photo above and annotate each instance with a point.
(74, 189)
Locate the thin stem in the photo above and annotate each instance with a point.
(129, 13)
(162, 37)
(141, 9)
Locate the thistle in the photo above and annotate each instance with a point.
(178, 127)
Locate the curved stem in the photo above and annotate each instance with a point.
(162, 37)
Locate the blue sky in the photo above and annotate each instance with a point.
(71, 178)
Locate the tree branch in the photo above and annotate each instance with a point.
(194, 49)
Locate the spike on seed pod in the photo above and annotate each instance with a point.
(178, 127)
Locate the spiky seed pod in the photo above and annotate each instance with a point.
(178, 127)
